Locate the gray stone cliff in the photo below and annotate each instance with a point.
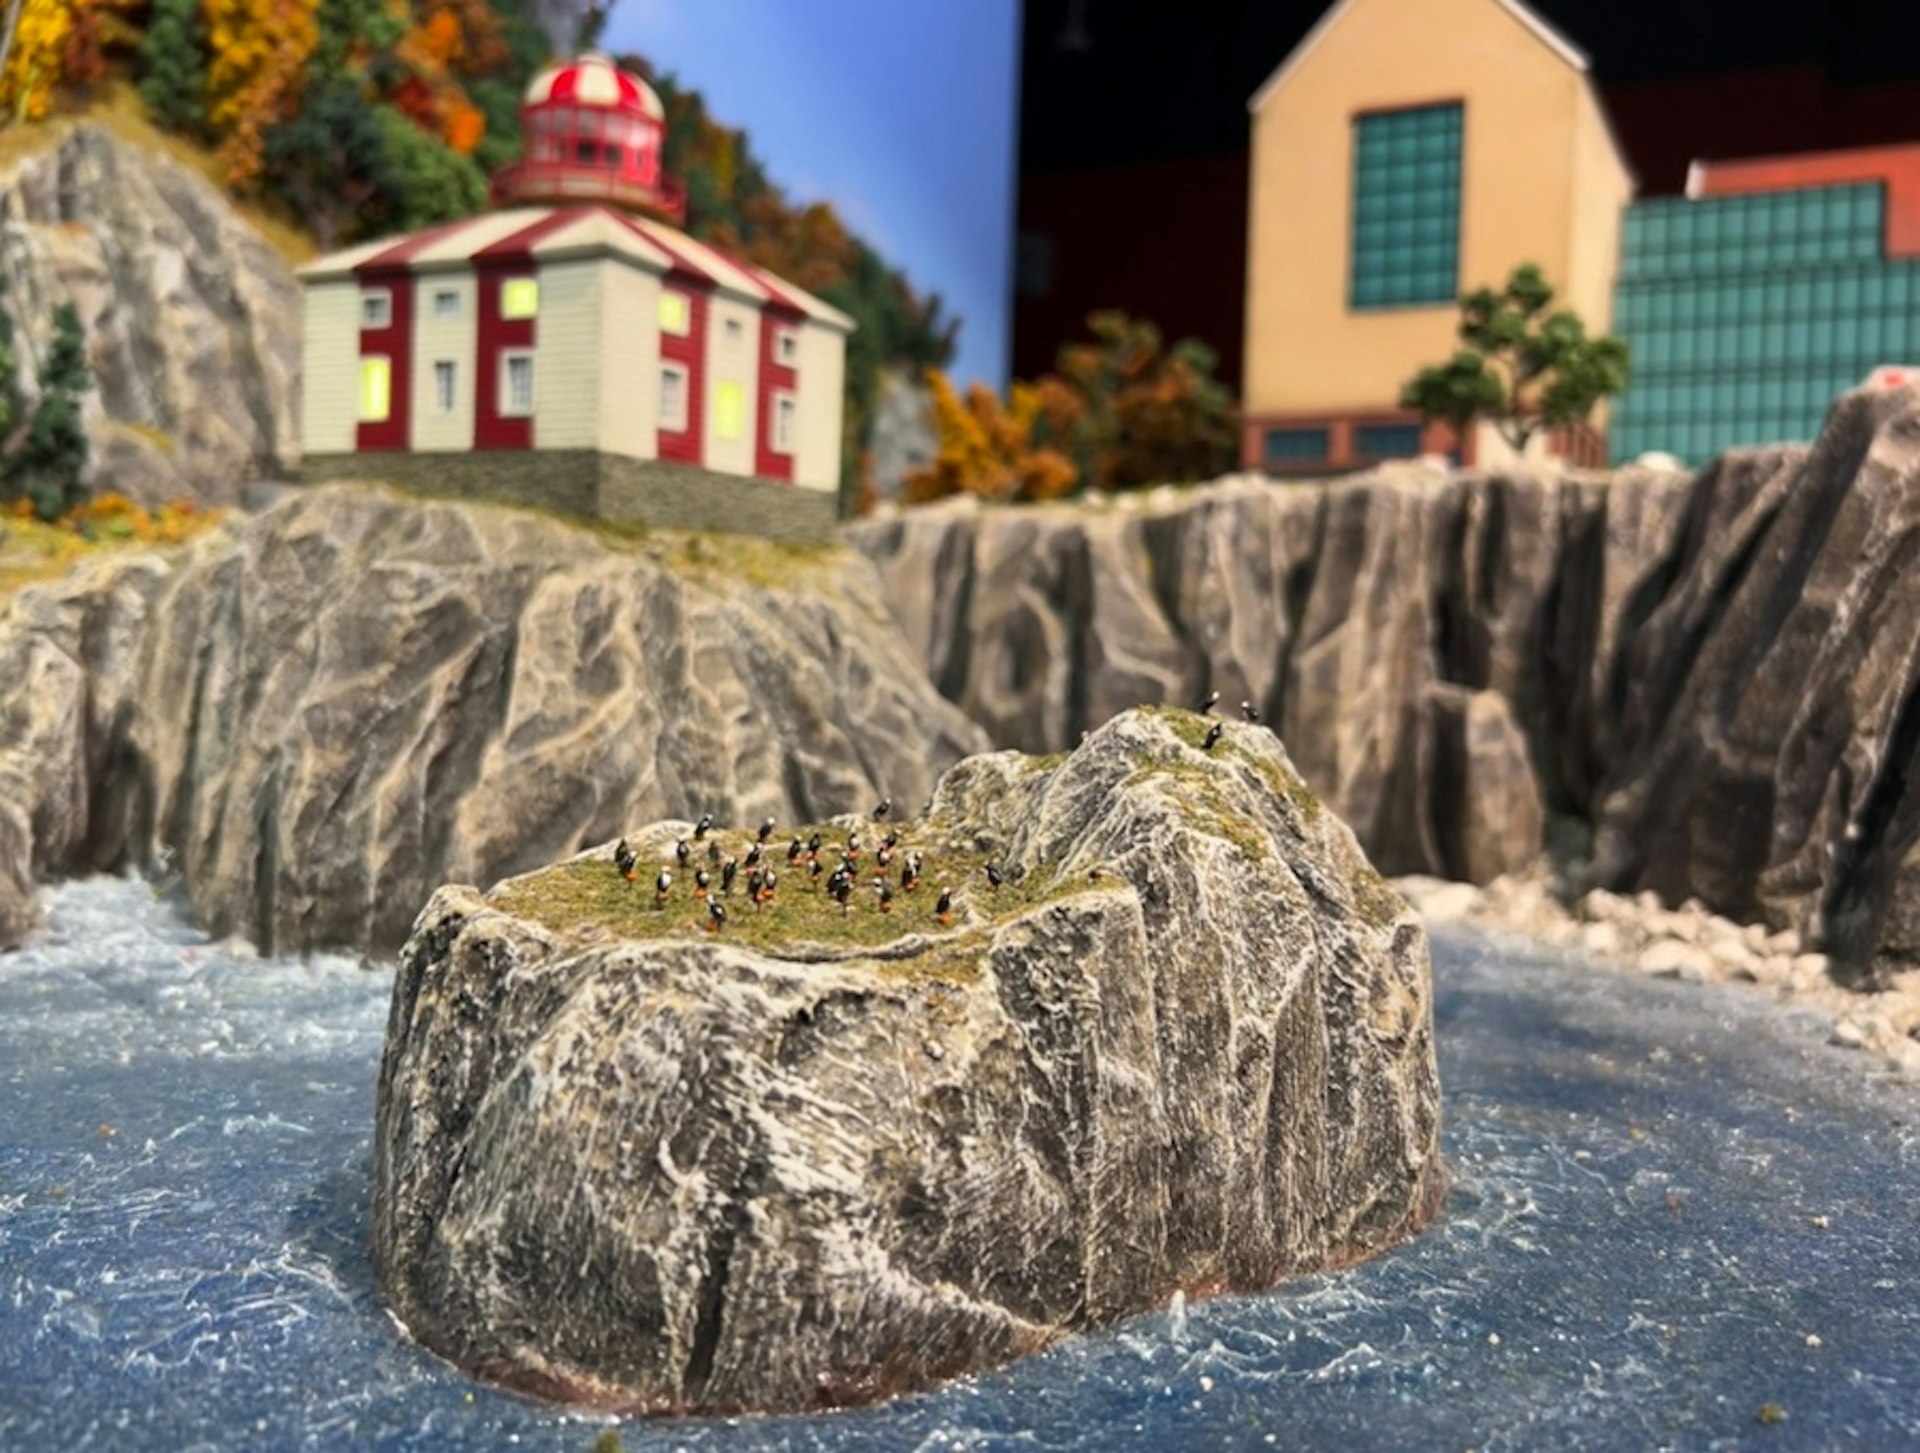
(662, 1170)
(317, 716)
(1715, 674)
(192, 318)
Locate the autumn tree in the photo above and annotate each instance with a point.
(1149, 414)
(996, 451)
(257, 56)
(1523, 368)
(40, 32)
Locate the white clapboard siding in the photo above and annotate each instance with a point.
(629, 379)
(438, 339)
(566, 360)
(736, 360)
(820, 375)
(330, 367)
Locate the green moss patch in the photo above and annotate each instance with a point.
(577, 896)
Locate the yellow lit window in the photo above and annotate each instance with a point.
(519, 297)
(676, 314)
(729, 409)
(376, 389)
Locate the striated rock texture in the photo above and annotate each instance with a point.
(681, 1174)
(1716, 674)
(192, 319)
(318, 716)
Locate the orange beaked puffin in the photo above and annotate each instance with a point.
(943, 910)
(662, 885)
(624, 859)
(716, 915)
(701, 881)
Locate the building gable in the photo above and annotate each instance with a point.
(1514, 10)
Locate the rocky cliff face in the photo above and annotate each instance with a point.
(1455, 659)
(1187, 1045)
(318, 716)
(192, 319)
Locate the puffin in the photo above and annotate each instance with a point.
(701, 882)
(754, 880)
(624, 859)
(813, 844)
(683, 853)
(661, 886)
(814, 870)
(727, 871)
(994, 878)
(713, 852)
(716, 915)
(853, 843)
(892, 839)
(886, 896)
(700, 827)
(766, 886)
(883, 858)
(753, 856)
(766, 829)
(943, 910)
(880, 812)
(1213, 735)
(794, 850)
(1249, 712)
(910, 873)
(1213, 698)
(843, 895)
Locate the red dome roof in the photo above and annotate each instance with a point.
(594, 81)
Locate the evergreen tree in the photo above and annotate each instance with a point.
(53, 454)
(173, 62)
(423, 179)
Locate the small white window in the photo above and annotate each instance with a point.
(519, 297)
(516, 391)
(676, 312)
(446, 303)
(786, 346)
(783, 423)
(443, 376)
(733, 331)
(673, 398)
(376, 390)
(376, 308)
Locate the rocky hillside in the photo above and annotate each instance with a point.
(818, 1158)
(192, 319)
(318, 716)
(1716, 677)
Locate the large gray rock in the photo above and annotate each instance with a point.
(628, 1163)
(318, 716)
(1719, 674)
(1769, 754)
(192, 319)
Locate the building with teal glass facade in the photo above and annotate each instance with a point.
(1748, 313)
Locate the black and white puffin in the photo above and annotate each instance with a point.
(727, 871)
(624, 859)
(766, 829)
(994, 878)
(1213, 699)
(943, 910)
(700, 827)
(683, 852)
(716, 915)
(880, 812)
(701, 882)
(767, 882)
(662, 885)
(794, 850)
(1213, 735)
(1249, 712)
(886, 896)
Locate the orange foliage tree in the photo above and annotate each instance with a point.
(1118, 412)
(256, 61)
(996, 451)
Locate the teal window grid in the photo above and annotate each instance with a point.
(1406, 207)
(1296, 445)
(1386, 441)
(1746, 315)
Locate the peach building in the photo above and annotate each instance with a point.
(1408, 151)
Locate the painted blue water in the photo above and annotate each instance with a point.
(1634, 1256)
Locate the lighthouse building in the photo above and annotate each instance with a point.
(572, 348)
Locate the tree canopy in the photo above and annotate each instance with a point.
(1523, 368)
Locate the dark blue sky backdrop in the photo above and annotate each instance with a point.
(899, 112)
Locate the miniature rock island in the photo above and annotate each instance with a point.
(826, 1152)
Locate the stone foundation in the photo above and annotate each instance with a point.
(604, 486)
